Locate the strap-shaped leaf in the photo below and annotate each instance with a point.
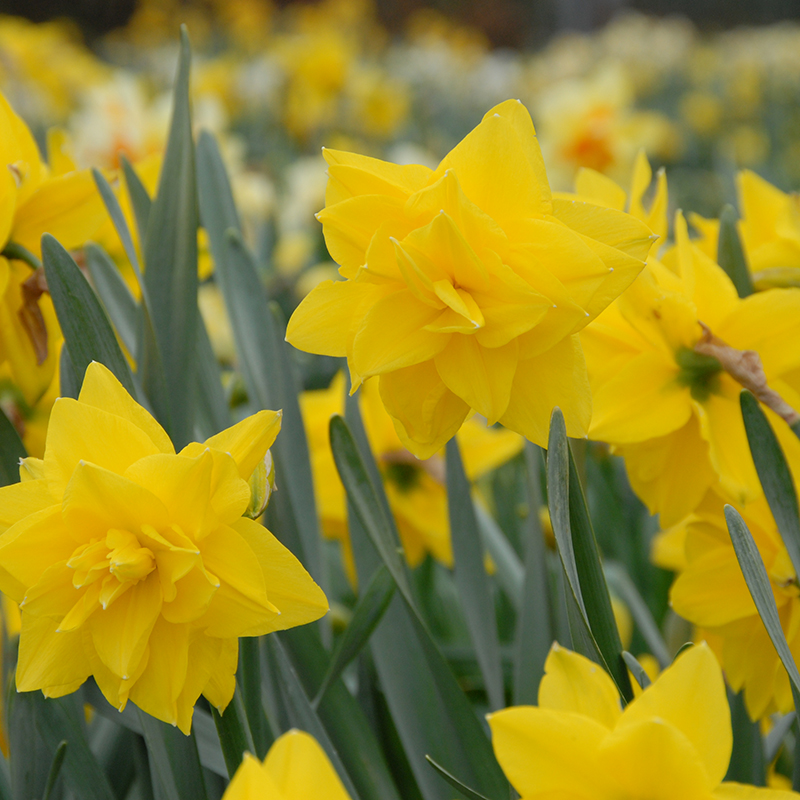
(755, 574)
(472, 582)
(303, 715)
(624, 587)
(588, 600)
(262, 353)
(369, 610)
(342, 716)
(431, 714)
(234, 732)
(249, 676)
(470, 794)
(170, 257)
(730, 253)
(87, 332)
(747, 764)
(510, 571)
(141, 201)
(212, 407)
(636, 669)
(174, 760)
(118, 301)
(534, 634)
(774, 475)
(11, 451)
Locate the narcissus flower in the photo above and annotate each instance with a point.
(674, 740)
(135, 565)
(465, 285)
(769, 229)
(415, 489)
(711, 592)
(670, 411)
(296, 768)
(34, 199)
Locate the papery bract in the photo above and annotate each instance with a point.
(135, 565)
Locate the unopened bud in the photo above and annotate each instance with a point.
(262, 485)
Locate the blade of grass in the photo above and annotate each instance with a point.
(471, 794)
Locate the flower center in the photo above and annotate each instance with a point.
(119, 554)
(699, 372)
(403, 475)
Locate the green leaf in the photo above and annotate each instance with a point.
(174, 761)
(303, 715)
(774, 739)
(636, 669)
(774, 475)
(203, 728)
(472, 581)
(146, 350)
(70, 384)
(262, 352)
(755, 574)
(369, 611)
(510, 571)
(11, 451)
(730, 254)
(88, 334)
(534, 634)
(429, 710)
(55, 768)
(140, 199)
(250, 679)
(213, 415)
(471, 794)
(118, 301)
(234, 733)
(579, 554)
(170, 257)
(362, 493)
(747, 764)
(29, 757)
(624, 587)
(342, 716)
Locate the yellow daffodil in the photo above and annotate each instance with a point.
(769, 230)
(415, 489)
(670, 411)
(465, 285)
(673, 740)
(35, 199)
(134, 564)
(296, 768)
(592, 122)
(711, 592)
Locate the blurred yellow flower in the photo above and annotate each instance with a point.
(671, 412)
(134, 564)
(711, 592)
(296, 768)
(769, 229)
(465, 285)
(35, 199)
(673, 740)
(415, 489)
(592, 122)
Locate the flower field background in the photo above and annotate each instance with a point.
(397, 417)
